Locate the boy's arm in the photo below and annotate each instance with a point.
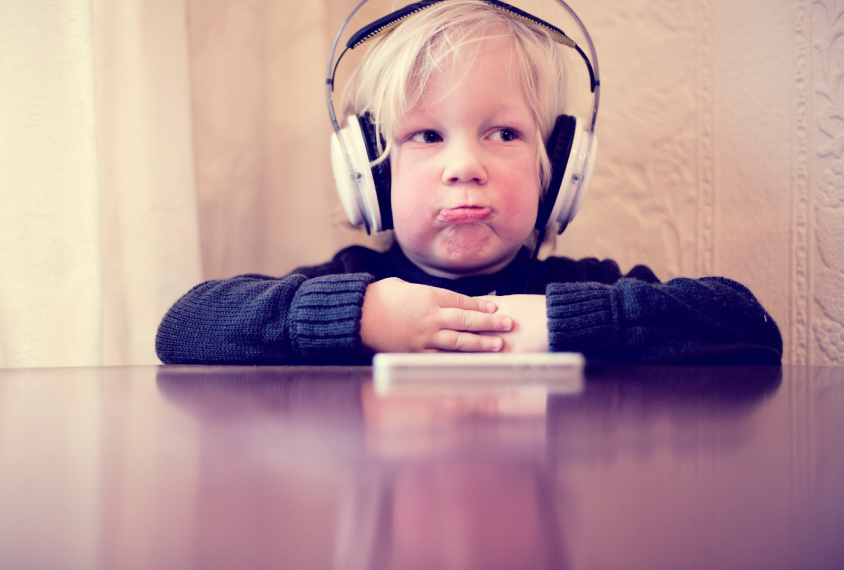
(709, 320)
(342, 318)
(254, 319)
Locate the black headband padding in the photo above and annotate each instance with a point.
(393, 19)
(380, 172)
(388, 21)
(559, 150)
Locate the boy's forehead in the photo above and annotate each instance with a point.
(490, 61)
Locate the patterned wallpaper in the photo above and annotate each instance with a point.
(654, 178)
(820, 213)
(671, 170)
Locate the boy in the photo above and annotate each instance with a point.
(464, 97)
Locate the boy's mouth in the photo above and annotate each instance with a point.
(464, 214)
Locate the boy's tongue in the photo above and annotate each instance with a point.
(464, 215)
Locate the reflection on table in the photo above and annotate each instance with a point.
(308, 467)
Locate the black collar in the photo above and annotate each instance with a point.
(508, 281)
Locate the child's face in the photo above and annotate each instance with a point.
(465, 186)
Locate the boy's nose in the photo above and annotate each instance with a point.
(464, 163)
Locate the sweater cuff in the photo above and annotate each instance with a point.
(581, 317)
(325, 316)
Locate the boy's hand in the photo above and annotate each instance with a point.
(405, 317)
(530, 322)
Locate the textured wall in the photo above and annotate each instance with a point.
(721, 145)
(819, 204)
(723, 152)
(694, 173)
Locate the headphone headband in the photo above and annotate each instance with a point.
(393, 19)
(390, 21)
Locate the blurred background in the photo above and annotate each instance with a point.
(146, 145)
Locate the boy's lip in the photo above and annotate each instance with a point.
(464, 214)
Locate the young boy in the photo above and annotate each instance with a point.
(464, 96)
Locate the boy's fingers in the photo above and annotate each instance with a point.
(458, 301)
(454, 341)
(469, 320)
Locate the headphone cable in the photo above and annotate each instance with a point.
(539, 238)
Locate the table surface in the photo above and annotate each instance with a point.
(298, 467)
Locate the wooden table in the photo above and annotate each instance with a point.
(217, 467)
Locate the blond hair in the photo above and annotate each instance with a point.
(397, 70)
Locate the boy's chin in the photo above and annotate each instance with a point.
(461, 254)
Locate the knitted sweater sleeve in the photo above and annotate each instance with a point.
(709, 320)
(253, 319)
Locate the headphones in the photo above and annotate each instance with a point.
(364, 188)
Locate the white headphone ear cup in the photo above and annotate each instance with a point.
(344, 179)
(355, 184)
(366, 183)
(588, 170)
(565, 193)
(583, 165)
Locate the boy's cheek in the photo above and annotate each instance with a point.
(411, 216)
(410, 205)
(521, 202)
(413, 195)
(519, 207)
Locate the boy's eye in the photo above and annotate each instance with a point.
(427, 137)
(504, 135)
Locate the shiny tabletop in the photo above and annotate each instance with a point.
(310, 467)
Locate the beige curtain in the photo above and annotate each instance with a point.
(98, 226)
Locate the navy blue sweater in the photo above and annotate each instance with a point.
(313, 314)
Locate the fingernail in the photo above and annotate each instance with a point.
(497, 344)
(490, 307)
(507, 322)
